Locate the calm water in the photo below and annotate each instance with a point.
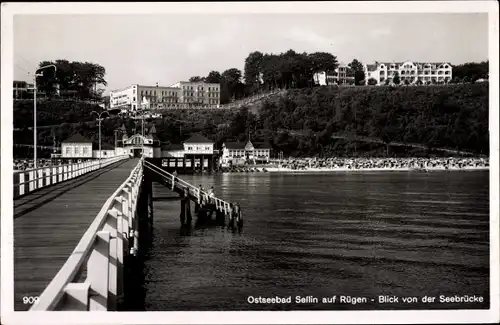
(352, 234)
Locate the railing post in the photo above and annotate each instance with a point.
(54, 175)
(32, 184)
(119, 253)
(40, 177)
(173, 182)
(22, 183)
(77, 296)
(98, 272)
(47, 176)
(65, 175)
(111, 227)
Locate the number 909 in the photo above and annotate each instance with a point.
(30, 300)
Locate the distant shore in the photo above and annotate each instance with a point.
(343, 169)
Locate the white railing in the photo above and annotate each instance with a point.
(33, 179)
(100, 253)
(175, 181)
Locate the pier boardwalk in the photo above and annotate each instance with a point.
(49, 223)
(76, 241)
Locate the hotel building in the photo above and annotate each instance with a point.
(384, 72)
(414, 72)
(182, 95)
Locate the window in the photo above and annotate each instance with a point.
(142, 92)
(207, 148)
(77, 150)
(134, 99)
(190, 148)
(68, 150)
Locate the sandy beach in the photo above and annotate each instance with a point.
(343, 169)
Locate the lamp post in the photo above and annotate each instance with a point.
(34, 109)
(144, 105)
(99, 119)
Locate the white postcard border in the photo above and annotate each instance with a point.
(244, 317)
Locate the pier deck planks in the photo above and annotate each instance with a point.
(49, 224)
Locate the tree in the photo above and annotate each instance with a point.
(356, 65)
(80, 78)
(470, 69)
(359, 71)
(197, 79)
(372, 81)
(396, 80)
(253, 69)
(323, 62)
(230, 85)
(213, 77)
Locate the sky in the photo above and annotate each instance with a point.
(164, 49)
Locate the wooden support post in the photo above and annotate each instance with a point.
(98, 272)
(150, 205)
(184, 164)
(202, 163)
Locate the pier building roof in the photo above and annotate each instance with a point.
(77, 138)
(172, 146)
(198, 138)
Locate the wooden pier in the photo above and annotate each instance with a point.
(76, 240)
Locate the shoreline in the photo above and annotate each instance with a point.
(393, 169)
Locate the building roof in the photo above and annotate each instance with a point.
(173, 146)
(371, 67)
(198, 138)
(152, 130)
(235, 145)
(77, 138)
(242, 145)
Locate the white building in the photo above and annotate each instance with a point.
(182, 95)
(384, 72)
(412, 72)
(198, 94)
(239, 153)
(76, 146)
(107, 151)
(343, 75)
(197, 151)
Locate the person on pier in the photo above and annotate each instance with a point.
(211, 201)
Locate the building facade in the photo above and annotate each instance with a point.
(343, 75)
(240, 153)
(409, 72)
(383, 73)
(196, 153)
(107, 151)
(76, 146)
(182, 95)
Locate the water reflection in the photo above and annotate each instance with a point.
(345, 233)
